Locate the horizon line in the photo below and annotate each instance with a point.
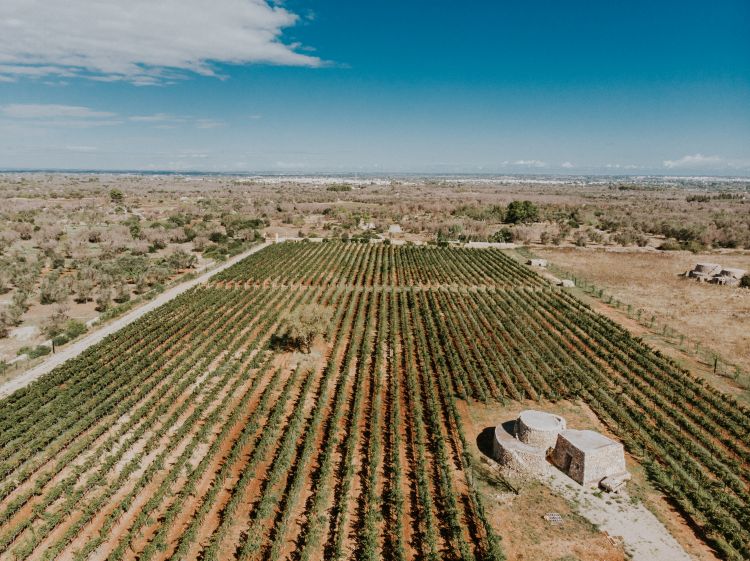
(323, 173)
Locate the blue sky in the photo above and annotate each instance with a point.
(440, 87)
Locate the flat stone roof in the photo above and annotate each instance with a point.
(540, 420)
(707, 265)
(587, 439)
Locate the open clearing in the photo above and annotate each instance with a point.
(716, 316)
(188, 435)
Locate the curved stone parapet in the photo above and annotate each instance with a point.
(539, 429)
(518, 456)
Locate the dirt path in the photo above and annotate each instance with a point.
(644, 537)
(76, 348)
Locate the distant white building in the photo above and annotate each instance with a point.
(394, 229)
(537, 262)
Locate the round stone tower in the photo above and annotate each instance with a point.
(538, 428)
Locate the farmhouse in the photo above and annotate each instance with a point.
(536, 441)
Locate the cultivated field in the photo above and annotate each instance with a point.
(189, 434)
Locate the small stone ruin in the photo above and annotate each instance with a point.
(716, 274)
(537, 443)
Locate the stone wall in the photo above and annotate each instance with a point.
(517, 457)
(569, 459)
(588, 466)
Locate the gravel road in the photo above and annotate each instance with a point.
(77, 347)
(645, 538)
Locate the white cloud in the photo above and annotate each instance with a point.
(156, 118)
(142, 41)
(76, 116)
(623, 166)
(694, 161)
(530, 163)
(51, 111)
(208, 123)
(567, 165)
(81, 148)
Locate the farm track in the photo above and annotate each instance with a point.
(187, 435)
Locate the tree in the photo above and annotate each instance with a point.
(83, 288)
(504, 235)
(745, 281)
(116, 196)
(53, 289)
(122, 292)
(57, 320)
(15, 312)
(301, 326)
(521, 212)
(180, 259)
(103, 299)
(5, 323)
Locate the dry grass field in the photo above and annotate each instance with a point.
(716, 316)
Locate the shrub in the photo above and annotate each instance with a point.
(217, 237)
(74, 328)
(339, 187)
(745, 281)
(521, 212)
(59, 340)
(35, 352)
(504, 235)
(670, 245)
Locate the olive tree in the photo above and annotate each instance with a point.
(301, 326)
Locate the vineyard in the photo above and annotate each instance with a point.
(187, 435)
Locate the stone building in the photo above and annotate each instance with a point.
(729, 277)
(704, 271)
(587, 456)
(716, 274)
(538, 428)
(536, 441)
